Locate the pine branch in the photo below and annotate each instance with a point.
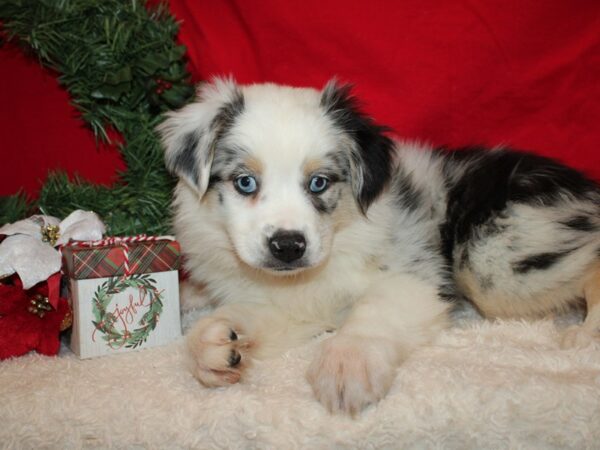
(119, 61)
(14, 208)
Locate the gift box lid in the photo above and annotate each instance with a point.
(119, 256)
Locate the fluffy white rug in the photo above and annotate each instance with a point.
(483, 385)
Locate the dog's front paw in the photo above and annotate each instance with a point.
(352, 372)
(220, 354)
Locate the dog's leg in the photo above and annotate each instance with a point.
(191, 296)
(579, 336)
(357, 366)
(223, 344)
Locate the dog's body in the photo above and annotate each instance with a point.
(299, 216)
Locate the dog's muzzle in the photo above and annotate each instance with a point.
(287, 246)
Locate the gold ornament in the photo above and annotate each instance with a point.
(67, 321)
(50, 234)
(39, 305)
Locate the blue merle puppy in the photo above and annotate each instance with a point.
(298, 214)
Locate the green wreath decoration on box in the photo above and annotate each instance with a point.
(106, 322)
(120, 63)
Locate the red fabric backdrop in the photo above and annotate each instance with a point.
(524, 73)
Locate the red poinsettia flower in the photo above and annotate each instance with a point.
(22, 330)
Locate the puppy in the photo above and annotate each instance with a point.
(299, 215)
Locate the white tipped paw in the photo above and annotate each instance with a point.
(220, 355)
(577, 336)
(351, 372)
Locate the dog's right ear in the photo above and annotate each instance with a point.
(189, 135)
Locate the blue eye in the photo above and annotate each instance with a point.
(245, 184)
(318, 184)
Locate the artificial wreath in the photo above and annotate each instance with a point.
(108, 322)
(119, 61)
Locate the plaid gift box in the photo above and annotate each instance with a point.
(124, 293)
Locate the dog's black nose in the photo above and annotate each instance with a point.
(287, 246)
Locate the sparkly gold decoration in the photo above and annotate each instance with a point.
(39, 305)
(67, 321)
(50, 234)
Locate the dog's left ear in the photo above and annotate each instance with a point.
(189, 136)
(371, 153)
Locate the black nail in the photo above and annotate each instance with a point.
(234, 358)
(233, 336)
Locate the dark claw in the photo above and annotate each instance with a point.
(234, 358)
(233, 336)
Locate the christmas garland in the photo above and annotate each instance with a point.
(106, 322)
(120, 63)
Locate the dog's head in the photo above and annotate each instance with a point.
(282, 166)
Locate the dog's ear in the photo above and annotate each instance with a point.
(370, 155)
(189, 135)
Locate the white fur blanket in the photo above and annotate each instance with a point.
(483, 385)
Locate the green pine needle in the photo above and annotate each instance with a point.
(14, 208)
(119, 61)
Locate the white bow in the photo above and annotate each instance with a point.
(24, 252)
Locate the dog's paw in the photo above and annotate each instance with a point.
(351, 372)
(220, 354)
(577, 336)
